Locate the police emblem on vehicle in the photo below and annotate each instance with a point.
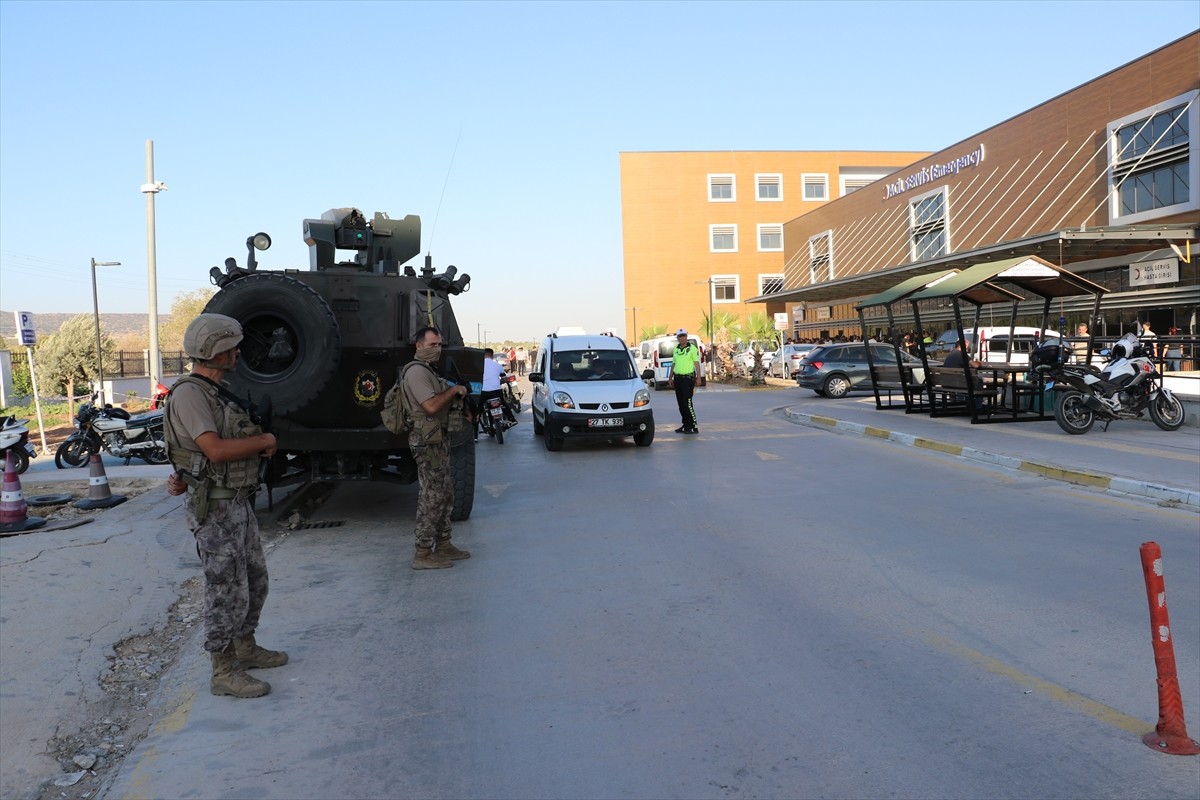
(367, 388)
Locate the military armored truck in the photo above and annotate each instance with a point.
(322, 346)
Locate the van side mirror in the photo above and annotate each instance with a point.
(537, 377)
(647, 374)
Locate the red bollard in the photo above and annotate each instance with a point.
(1170, 735)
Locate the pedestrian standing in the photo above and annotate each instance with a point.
(215, 444)
(687, 370)
(432, 401)
(521, 359)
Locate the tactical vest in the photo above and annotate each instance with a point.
(233, 422)
(429, 430)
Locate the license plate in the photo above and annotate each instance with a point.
(30, 449)
(605, 422)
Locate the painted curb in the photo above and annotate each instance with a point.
(1078, 477)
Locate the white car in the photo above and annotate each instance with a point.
(743, 362)
(586, 386)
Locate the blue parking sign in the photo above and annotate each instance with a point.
(25, 328)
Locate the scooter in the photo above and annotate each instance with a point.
(159, 400)
(14, 438)
(116, 432)
(1125, 388)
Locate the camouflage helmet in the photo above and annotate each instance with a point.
(210, 334)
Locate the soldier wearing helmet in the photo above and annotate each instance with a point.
(215, 447)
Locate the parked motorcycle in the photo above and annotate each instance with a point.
(159, 399)
(116, 432)
(14, 438)
(1124, 388)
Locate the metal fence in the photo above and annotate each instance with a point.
(136, 363)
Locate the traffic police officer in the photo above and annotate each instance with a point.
(215, 446)
(687, 369)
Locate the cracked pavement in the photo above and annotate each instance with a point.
(66, 597)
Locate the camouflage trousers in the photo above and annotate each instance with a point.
(436, 497)
(235, 569)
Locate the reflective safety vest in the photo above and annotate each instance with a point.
(685, 359)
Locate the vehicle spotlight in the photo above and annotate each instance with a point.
(259, 241)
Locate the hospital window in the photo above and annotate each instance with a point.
(816, 186)
(770, 238)
(1154, 161)
(928, 226)
(722, 238)
(724, 288)
(820, 257)
(722, 189)
(770, 187)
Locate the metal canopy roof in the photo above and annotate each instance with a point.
(1070, 245)
(1034, 275)
(904, 289)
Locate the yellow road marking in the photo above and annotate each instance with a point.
(1053, 691)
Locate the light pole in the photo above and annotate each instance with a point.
(478, 337)
(96, 314)
(485, 333)
(150, 188)
(635, 328)
(712, 355)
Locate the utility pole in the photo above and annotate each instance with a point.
(151, 188)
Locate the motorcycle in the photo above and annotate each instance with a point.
(14, 438)
(159, 400)
(510, 390)
(1124, 388)
(491, 419)
(116, 432)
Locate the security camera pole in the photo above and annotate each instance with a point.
(151, 188)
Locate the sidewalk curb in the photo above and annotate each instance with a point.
(1080, 477)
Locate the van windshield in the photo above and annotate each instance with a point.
(591, 365)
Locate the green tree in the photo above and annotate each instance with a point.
(184, 308)
(651, 331)
(21, 384)
(719, 330)
(68, 358)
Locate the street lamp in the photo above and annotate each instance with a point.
(96, 314)
(485, 333)
(150, 188)
(635, 327)
(712, 355)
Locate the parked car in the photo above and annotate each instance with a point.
(502, 359)
(785, 365)
(991, 344)
(832, 370)
(743, 362)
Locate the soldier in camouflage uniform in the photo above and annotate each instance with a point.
(432, 401)
(215, 447)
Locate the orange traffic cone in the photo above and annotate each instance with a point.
(14, 512)
(99, 495)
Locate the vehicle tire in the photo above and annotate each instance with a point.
(499, 431)
(819, 392)
(157, 455)
(1167, 412)
(73, 453)
(292, 344)
(462, 476)
(512, 401)
(837, 386)
(20, 458)
(554, 442)
(1072, 415)
(537, 426)
(644, 438)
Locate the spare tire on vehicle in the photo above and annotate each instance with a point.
(291, 343)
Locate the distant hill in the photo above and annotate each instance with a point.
(113, 324)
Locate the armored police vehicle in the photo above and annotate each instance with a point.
(322, 346)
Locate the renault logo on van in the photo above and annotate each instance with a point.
(604, 406)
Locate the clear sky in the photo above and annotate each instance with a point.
(499, 123)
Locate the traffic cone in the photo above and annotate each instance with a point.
(14, 512)
(99, 495)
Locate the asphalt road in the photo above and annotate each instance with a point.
(763, 610)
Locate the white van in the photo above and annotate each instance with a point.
(657, 354)
(990, 345)
(587, 386)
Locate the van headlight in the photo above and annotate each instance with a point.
(642, 398)
(562, 400)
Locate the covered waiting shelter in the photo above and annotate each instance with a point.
(884, 378)
(985, 284)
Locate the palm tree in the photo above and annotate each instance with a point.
(718, 331)
(758, 327)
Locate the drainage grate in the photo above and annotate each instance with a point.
(332, 523)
